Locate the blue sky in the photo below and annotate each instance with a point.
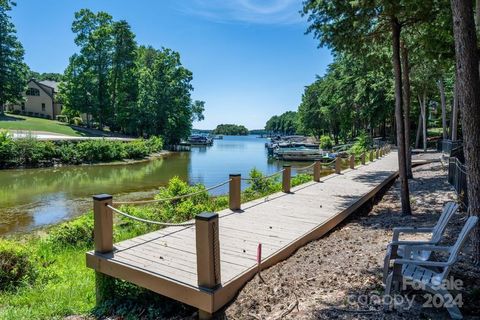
(250, 59)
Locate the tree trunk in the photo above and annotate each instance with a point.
(423, 110)
(443, 101)
(406, 104)
(468, 86)
(419, 129)
(455, 109)
(402, 161)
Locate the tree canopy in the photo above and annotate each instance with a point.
(13, 71)
(231, 130)
(134, 89)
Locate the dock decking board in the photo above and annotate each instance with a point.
(165, 261)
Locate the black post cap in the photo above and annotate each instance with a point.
(102, 197)
(206, 216)
(287, 165)
(235, 175)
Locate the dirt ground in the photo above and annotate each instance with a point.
(337, 276)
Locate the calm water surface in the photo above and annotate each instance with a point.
(31, 198)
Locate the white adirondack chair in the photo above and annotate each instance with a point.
(396, 248)
(424, 274)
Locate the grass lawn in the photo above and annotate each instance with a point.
(16, 122)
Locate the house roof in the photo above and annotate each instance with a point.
(51, 84)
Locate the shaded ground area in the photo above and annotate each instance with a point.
(331, 277)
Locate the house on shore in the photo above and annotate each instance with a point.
(39, 100)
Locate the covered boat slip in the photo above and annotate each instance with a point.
(205, 264)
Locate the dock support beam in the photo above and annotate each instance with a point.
(286, 178)
(103, 240)
(317, 170)
(234, 199)
(352, 161)
(208, 254)
(362, 158)
(338, 165)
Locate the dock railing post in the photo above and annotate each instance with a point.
(208, 254)
(338, 165)
(103, 242)
(286, 178)
(370, 156)
(352, 161)
(317, 170)
(362, 158)
(234, 199)
(376, 154)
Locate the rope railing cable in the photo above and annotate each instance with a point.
(165, 224)
(173, 198)
(304, 168)
(264, 177)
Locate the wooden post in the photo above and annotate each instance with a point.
(362, 158)
(103, 241)
(208, 254)
(376, 154)
(317, 170)
(352, 161)
(338, 165)
(286, 179)
(370, 157)
(234, 199)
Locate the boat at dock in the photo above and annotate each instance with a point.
(200, 140)
(302, 154)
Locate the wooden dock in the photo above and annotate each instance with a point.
(166, 261)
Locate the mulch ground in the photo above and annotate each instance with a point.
(340, 275)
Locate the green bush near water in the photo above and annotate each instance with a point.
(30, 152)
(16, 266)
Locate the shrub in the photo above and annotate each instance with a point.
(75, 233)
(154, 144)
(326, 142)
(16, 266)
(8, 152)
(137, 149)
(260, 186)
(16, 111)
(30, 151)
(76, 121)
(362, 144)
(62, 118)
(68, 153)
(101, 150)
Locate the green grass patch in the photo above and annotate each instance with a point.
(23, 123)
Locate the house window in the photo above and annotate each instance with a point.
(33, 92)
(43, 106)
(23, 106)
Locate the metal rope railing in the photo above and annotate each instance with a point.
(165, 224)
(173, 198)
(264, 177)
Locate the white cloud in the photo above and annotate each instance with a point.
(248, 11)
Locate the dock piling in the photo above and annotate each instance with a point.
(234, 199)
(338, 165)
(208, 254)
(317, 169)
(352, 161)
(103, 241)
(362, 158)
(286, 178)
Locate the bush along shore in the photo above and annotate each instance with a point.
(43, 275)
(30, 152)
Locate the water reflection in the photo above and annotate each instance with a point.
(35, 197)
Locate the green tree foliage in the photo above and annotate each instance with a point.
(287, 123)
(136, 90)
(13, 71)
(58, 77)
(231, 130)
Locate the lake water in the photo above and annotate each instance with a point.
(31, 198)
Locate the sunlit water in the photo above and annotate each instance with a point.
(31, 198)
